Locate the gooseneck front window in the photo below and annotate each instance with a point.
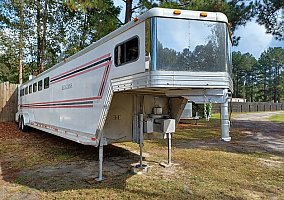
(190, 45)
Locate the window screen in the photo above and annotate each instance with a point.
(26, 90)
(46, 83)
(22, 92)
(30, 89)
(127, 52)
(34, 87)
(40, 85)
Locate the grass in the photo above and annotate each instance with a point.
(31, 166)
(277, 118)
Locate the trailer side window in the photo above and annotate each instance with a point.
(40, 85)
(34, 87)
(22, 92)
(30, 89)
(26, 91)
(127, 51)
(46, 83)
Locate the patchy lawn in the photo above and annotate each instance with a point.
(277, 118)
(37, 165)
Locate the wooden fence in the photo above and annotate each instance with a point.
(8, 101)
(251, 107)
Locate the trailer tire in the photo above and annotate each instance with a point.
(19, 123)
(24, 127)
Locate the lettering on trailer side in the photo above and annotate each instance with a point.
(66, 86)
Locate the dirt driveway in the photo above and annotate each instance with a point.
(251, 133)
(261, 134)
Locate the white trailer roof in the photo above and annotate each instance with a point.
(154, 12)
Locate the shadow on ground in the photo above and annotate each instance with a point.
(73, 166)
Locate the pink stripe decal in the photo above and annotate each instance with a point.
(103, 84)
(33, 107)
(63, 101)
(81, 66)
(83, 72)
(104, 80)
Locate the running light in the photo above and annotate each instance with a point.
(177, 12)
(203, 14)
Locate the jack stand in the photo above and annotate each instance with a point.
(169, 164)
(225, 123)
(140, 168)
(169, 148)
(101, 157)
(141, 139)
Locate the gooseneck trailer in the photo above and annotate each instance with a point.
(133, 83)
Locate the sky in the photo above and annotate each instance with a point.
(253, 40)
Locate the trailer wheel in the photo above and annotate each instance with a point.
(24, 127)
(20, 123)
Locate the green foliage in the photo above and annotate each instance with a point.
(260, 80)
(243, 74)
(53, 30)
(271, 66)
(271, 15)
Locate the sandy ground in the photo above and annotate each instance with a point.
(259, 135)
(262, 133)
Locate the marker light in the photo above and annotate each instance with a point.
(203, 14)
(136, 19)
(177, 12)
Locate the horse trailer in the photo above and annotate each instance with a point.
(134, 83)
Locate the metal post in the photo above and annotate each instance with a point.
(101, 157)
(225, 123)
(141, 140)
(169, 148)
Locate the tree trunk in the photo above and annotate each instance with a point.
(128, 11)
(45, 15)
(38, 35)
(21, 42)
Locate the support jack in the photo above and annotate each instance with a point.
(225, 123)
(139, 168)
(101, 157)
(169, 163)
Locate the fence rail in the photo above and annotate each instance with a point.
(8, 101)
(250, 107)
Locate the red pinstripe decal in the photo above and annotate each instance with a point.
(81, 66)
(102, 84)
(83, 106)
(83, 72)
(63, 101)
(106, 80)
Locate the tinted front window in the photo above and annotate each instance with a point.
(191, 45)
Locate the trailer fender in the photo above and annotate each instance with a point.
(26, 118)
(17, 117)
